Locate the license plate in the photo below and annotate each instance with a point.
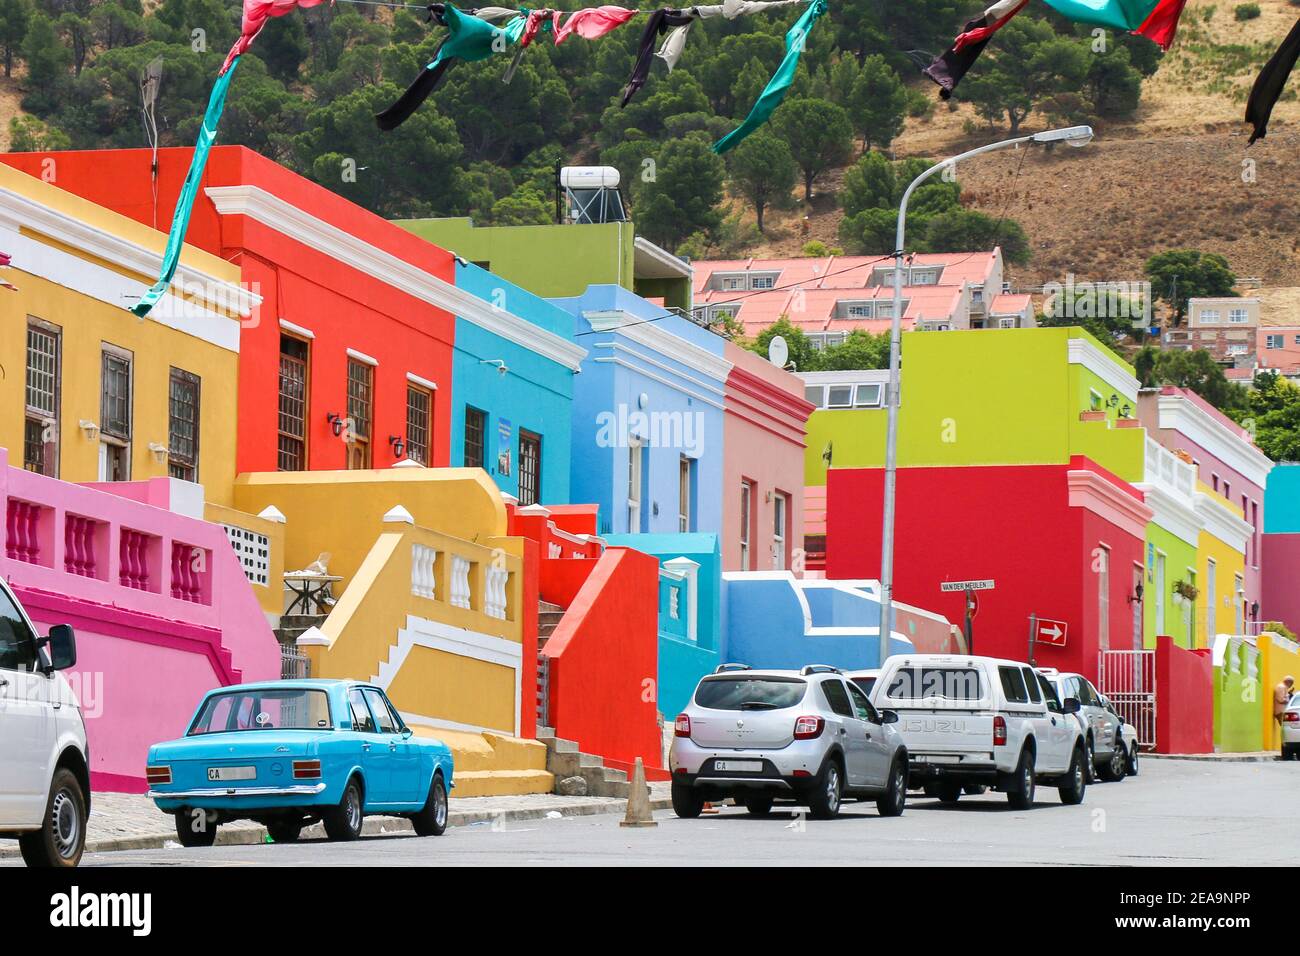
(938, 758)
(232, 773)
(738, 766)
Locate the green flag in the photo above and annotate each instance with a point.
(1119, 14)
(772, 95)
(185, 201)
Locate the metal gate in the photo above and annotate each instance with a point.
(1128, 679)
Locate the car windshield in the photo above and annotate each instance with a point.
(263, 709)
(750, 693)
(951, 683)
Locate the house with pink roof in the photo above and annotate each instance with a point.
(828, 297)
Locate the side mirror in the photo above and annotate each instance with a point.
(407, 733)
(62, 644)
(1071, 705)
(889, 716)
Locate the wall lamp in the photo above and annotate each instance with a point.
(1136, 596)
(159, 451)
(399, 446)
(499, 363)
(336, 422)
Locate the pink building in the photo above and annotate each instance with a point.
(766, 415)
(1278, 349)
(830, 296)
(1225, 457)
(160, 603)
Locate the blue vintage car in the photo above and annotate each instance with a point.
(289, 753)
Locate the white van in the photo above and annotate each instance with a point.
(972, 722)
(44, 758)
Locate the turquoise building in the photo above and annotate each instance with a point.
(513, 371)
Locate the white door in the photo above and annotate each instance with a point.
(634, 487)
(877, 749)
(26, 722)
(1160, 595)
(1211, 599)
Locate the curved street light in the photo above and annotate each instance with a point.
(1071, 136)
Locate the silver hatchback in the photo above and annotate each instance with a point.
(808, 736)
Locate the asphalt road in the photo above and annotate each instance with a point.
(1177, 813)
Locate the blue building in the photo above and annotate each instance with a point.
(513, 370)
(647, 415)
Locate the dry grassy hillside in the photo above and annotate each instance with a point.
(1170, 178)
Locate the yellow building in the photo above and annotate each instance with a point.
(1220, 606)
(90, 391)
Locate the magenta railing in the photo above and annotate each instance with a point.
(79, 545)
(188, 572)
(134, 553)
(22, 541)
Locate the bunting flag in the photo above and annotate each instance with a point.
(185, 201)
(950, 66)
(592, 22)
(5, 262)
(660, 21)
(1268, 85)
(796, 39)
(256, 13)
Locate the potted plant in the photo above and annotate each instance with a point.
(1186, 590)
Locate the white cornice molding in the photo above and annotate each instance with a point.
(653, 336)
(290, 220)
(18, 211)
(1092, 357)
(1180, 414)
(664, 257)
(1174, 513)
(1087, 489)
(1222, 522)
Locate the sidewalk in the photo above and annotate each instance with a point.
(1259, 756)
(122, 821)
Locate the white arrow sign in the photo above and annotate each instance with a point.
(1052, 632)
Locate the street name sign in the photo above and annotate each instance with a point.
(983, 585)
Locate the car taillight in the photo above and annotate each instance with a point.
(1291, 716)
(306, 770)
(158, 774)
(682, 725)
(999, 731)
(806, 728)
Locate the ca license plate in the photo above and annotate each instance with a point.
(232, 773)
(738, 766)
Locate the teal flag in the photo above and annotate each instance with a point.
(1118, 14)
(185, 201)
(795, 41)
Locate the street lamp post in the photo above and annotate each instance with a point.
(1074, 136)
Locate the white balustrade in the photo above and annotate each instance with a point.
(423, 582)
(459, 584)
(494, 592)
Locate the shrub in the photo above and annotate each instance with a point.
(1246, 11)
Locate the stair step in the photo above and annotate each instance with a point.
(546, 606)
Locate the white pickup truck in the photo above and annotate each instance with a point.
(974, 722)
(44, 758)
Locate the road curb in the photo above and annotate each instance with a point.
(1267, 757)
(246, 835)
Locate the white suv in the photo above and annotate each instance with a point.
(969, 722)
(810, 736)
(44, 759)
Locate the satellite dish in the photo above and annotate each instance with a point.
(778, 353)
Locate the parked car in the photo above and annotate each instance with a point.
(1132, 745)
(866, 680)
(44, 757)
(809, 736)
(1103, 740)
(289, 753)
(971, 721)
(1291, 729)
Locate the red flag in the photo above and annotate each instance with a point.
(256, 13)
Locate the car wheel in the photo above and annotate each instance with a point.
(1289, 751)
(432, 820)
(758, 806)
(284, 831)
(975, 790)
(1117, 766)
(344, 821)
(194, 829)
(1133, 759)
(62, 838)
(949, 792)
(1090, 762)
(1075, 781)
(687, 801)
(824, 801)
(1022, 798)
(894, 800)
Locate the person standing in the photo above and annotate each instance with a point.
(1281, 697)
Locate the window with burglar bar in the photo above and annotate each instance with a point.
(115, 405)
(475, 423)
(183, 425)
(419, 404)
(360, 400)
(41, 427)
(292, 424)
(530, 467)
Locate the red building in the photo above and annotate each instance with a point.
(354, 335)
(1069, 550)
